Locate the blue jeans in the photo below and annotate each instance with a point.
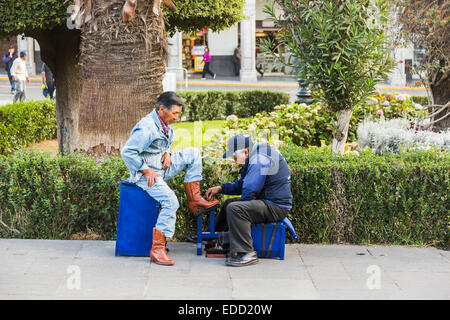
(20, 90)
(189, 159)
(48, 91)
(11, 81)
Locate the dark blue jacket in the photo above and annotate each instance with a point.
(8, 61)
(264, 176)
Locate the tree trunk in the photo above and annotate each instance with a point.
(60, 51)
(441, 95)
(341, 131)
(108, 75)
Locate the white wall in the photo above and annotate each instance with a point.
(260, 15)
(224, 42)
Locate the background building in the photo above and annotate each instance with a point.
(186, 50)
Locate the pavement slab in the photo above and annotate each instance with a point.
(83, 269)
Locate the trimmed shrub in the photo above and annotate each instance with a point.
(362, 199)
(216, 105)
(422, 100)
(396, 134)
(367, 199)
(26, 122)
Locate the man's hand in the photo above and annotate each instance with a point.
(28, 80)
(165, 159)
(150, 176)
(14, 78)
(211, 192)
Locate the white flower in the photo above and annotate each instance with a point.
(385, 103)
(232, 118)
(401, 97)
(252, 126)
(418, 106)
(372, 101)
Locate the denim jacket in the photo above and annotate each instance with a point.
(146, 146)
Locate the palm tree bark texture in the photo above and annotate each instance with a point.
(108, 72)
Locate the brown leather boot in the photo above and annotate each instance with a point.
(158, 253)
(195, 199)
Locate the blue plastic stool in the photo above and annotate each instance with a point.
(205, 235)
(269, 238)
(138, 213)
(275, 242)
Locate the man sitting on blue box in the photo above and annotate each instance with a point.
(150, 162)
(265, 189)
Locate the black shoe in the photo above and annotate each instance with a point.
(193, 238)
(242, 259)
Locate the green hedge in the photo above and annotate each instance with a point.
(422, 100)
(26, 122)
(216, 105)
(363, 199)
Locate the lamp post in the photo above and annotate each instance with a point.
(304, 95)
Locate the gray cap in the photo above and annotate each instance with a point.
(237, 142)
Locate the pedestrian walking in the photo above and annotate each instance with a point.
(8, 60)
(206, 60)
(258, 64)
(48, 81)
(20, 75)
(237, 60)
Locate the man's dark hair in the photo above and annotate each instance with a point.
(169, 99)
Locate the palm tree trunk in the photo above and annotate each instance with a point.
(122, 69)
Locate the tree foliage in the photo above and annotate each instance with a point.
(20, 16)
(339, 47)
(425, 23)
(192, 16)
(16, 17)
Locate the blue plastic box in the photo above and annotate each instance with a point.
(138, 213)
(269, 239)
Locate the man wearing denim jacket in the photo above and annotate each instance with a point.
(150, 162)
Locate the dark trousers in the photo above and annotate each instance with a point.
(237, 68)
(237, 217)
(259, 69)
(206, 69)
(11, 81)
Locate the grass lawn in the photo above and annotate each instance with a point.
(185, 132)
(195, 134)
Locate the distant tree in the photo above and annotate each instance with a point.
(108, 59)
(340, 49)
(425, 23)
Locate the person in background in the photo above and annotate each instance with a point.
(20, 75)
(48, 81)
(258, 63)
(206, 59)
(8, 60)
(237, 60)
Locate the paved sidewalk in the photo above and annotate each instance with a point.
(54, 269)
